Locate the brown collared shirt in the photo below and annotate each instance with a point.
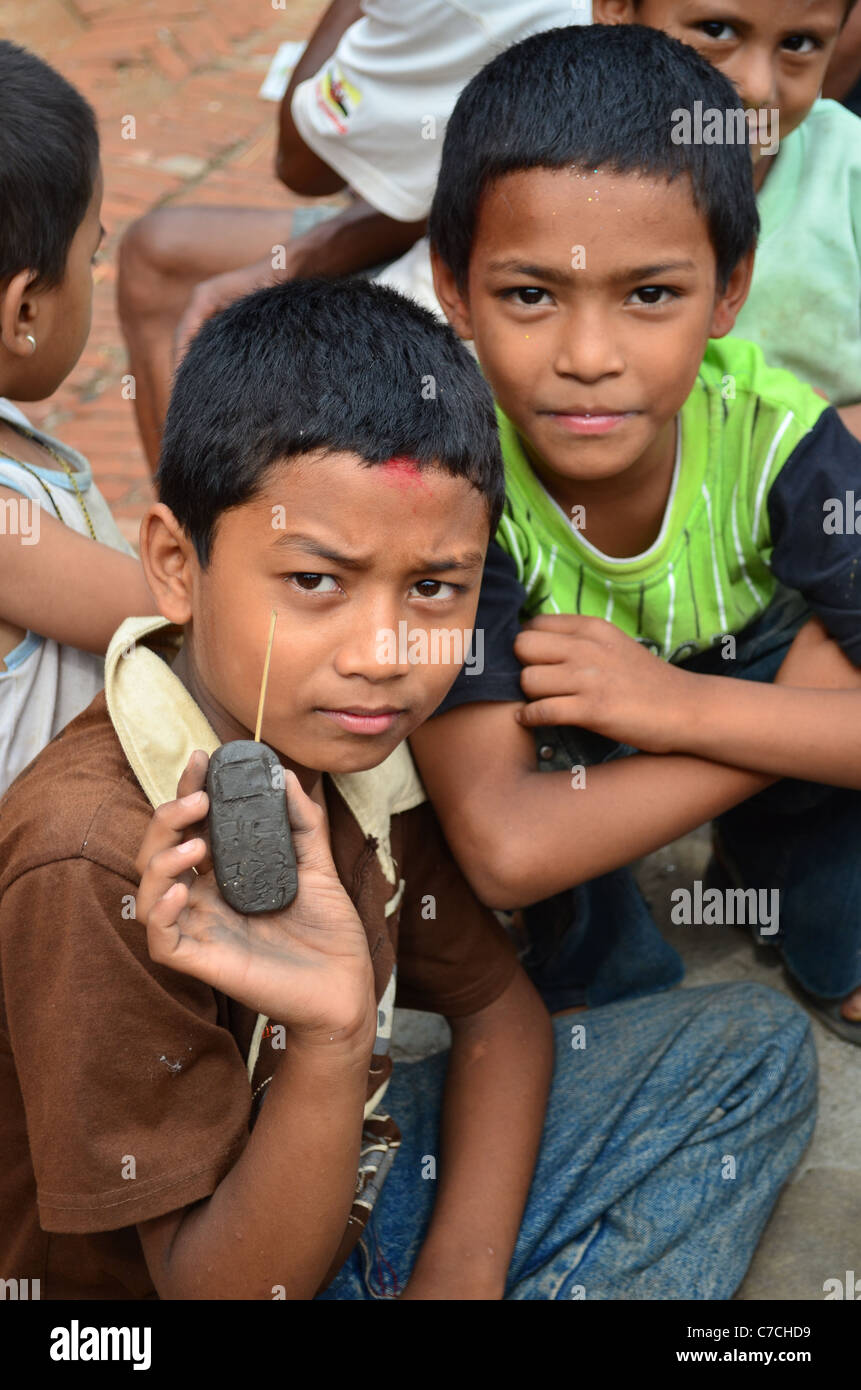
(123, 1086)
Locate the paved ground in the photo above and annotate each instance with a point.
(189, 73)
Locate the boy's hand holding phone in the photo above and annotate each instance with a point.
(307, 966)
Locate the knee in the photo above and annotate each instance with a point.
(757, 1010)
(147, 260)
(764, 1021)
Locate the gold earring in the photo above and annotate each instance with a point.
(32, 340)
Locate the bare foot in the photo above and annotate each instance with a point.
(852, 1007)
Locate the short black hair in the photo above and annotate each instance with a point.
(587, 96)
(334, 365)
(49, 161)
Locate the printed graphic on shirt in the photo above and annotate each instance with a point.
(337, 97)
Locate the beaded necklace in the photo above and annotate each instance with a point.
(67, 469)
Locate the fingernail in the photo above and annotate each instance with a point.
(191, 799)
(189, 844)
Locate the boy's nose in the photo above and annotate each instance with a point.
(375, 647)
(588, 350)
(755, 78)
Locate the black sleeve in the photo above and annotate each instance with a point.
(495, 670)
(812, 509)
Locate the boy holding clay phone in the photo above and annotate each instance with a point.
(200, 1103)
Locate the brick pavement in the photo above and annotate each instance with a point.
(188, 71)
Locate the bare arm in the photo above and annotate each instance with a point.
(521, 835)
(493, 1111)
(296, 166)
(356, 238)
(278, 1216)
(66, 586)
(812, 733)
(584, 671)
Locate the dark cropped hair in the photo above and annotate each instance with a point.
(588, 96)
(49, 159)
(334, 365)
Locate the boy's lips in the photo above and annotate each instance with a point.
(359, 720)
(590, 421)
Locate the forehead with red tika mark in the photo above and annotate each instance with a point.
(403, 472)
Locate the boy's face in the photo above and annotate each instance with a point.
(362, 565)
(774, 51)
(590, 299)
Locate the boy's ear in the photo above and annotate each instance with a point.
(169, 558)
(613, 12)
(729, 301)
(450, 297)
(19, 314)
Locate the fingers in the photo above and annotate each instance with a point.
(534, 647)
(164, 885)
(559, 709)
(172, 820)
(571, 624)
(537, 682)
(563, 637)
(193, 776)
(308, 824)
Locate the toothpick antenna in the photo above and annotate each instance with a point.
(265, 680)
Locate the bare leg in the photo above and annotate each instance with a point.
(163, 257)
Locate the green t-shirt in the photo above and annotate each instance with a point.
(708, 572)
(804, 307)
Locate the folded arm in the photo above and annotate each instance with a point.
(521, 835)
(584, 671)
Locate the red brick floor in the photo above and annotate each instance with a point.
(189, 72)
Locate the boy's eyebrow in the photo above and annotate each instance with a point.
(539, 272)
(644, 272)
(565, 277)
(473, 559)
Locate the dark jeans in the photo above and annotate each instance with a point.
(598, 942)
(631, 1197)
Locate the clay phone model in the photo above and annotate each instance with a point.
(249, 831)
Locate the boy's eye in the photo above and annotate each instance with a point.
(529, 295)
(653, 294)
(433, 588)
(801, 43)
(716, 29)
(314, 583)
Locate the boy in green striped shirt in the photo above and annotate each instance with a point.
(677, 513)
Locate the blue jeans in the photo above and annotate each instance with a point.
(667, 1139)
(599, 942)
